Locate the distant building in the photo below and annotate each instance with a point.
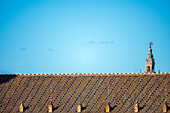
(150, 62)
(87, 93)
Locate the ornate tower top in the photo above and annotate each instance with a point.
(150, 62)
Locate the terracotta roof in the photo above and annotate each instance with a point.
(91, 91)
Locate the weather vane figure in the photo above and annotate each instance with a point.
(151, 43)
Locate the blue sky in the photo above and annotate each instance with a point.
(83, 36)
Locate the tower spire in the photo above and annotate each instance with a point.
(150, 62)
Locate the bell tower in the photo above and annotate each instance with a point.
(150, 62)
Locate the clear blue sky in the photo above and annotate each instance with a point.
(83, 36)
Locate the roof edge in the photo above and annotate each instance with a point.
(90, 74)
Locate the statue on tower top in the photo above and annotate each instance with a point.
(151, 43)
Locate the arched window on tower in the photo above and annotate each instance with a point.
(148, 68)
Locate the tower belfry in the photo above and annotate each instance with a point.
(150, 62)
